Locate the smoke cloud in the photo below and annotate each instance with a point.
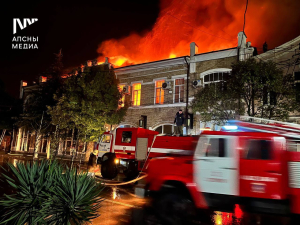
(212, 24)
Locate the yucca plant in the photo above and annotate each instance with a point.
(48, 193)
(29, 182)
(75, 199)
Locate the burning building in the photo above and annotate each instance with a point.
(157, 90)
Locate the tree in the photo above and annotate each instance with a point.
(265, 90)
(257, 87)
(216, 104)
(89, 101)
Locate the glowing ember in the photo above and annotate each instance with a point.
(44, 79)
(212, 24)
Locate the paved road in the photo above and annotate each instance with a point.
(120, 201)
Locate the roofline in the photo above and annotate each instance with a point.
(157, 61)
(170, 59)
(216, 51)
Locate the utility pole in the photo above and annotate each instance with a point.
(187, 94)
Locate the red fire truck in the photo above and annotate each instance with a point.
(127, 149)
(254, 165)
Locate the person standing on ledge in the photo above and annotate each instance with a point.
(179, 121)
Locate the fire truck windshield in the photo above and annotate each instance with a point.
(106, 139)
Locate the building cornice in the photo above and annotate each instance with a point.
(224, 53)
(150, 66)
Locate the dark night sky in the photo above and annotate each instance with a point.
(79, 27)
(76, 27)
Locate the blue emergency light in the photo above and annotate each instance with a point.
(230, 127)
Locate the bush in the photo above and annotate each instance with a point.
(48, 193)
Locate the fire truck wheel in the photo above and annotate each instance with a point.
(109, 169)
(174, 208)
(107, 156)
(132, 171)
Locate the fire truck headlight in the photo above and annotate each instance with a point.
(117, 161)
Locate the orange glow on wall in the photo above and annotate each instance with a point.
(24, 84)
(123, 96)
(159, 92)
(136, 94)
(212, 24)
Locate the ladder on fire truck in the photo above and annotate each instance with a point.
(290, 131)
(286, 129)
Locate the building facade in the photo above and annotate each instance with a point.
(154, 106)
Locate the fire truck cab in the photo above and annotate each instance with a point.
(250, 167)
(127, 149)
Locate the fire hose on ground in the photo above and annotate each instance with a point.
(114, 183)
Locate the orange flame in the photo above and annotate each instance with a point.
(212, 24)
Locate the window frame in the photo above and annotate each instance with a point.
(104, 140)
(163, 128)
(205, 141)
(136, 102)
(123, 138)
(212, 74)
(161, 91)
(180, 86)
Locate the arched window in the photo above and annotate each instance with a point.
(215, 75)
(165, 129)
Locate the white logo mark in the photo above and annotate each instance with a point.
(26, 21)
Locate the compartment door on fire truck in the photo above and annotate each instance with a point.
(262, 173)
(104, 145)
(215, 165)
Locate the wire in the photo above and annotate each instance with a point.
(244, 23)
(245, 16)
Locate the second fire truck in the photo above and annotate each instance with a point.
(254, 165)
